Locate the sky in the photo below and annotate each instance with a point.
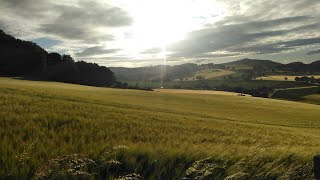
(134, 33)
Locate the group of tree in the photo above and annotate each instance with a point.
(308, 80)
(19, 57)
(27, 59)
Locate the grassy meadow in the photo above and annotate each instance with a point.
(156, 135)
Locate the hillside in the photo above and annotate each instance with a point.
(155, 73)
(107, 133)
(244, 67)
(253, 63)
(18, 57)
(299, 67)
(28, 60)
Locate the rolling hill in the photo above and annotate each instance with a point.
(169, 73)
(251, 63)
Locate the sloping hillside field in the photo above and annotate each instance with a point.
(54, 130)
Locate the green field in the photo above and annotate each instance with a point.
(301, 94)
(209, 74)
(157, 135)
(282, 77)
(213, 83)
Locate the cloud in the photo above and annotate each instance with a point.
(317, 51)
(80, 33)
(26, 8)
(84, 21)
(96, 50)
(245, 28)
(155, 50)
(301, 42)
(255, 37)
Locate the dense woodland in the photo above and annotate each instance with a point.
(27, 59)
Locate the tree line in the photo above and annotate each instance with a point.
(27, 59)
(308, 80)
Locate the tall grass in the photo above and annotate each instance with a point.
(151, 134)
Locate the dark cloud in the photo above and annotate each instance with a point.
(83, 13)
(75, 33)
(91, 13)
(314, 52)
(96, 50)
(251, 21)
(80, 21)
(26, 8)
(276, 47)
(250, 37)
(301, 42)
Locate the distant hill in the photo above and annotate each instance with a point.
(315, 63)
(156, 73)
(299, 67)
(257, 64)
(252, 66)
(252, 63)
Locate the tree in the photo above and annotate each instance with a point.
(67, 58)
(25, 58)
(54, 58)
(21, 58)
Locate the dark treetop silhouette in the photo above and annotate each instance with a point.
(27, 59)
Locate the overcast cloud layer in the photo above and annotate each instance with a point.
(97, 31)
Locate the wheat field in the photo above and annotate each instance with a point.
(153, 135)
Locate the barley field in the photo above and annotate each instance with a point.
(56, 130)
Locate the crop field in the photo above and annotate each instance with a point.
(301, 94)
(281, 77)
(54, 130)
(201, 84)
(314, 99)
(209, 74)
(186, 91)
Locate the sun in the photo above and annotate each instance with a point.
(158, 23)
